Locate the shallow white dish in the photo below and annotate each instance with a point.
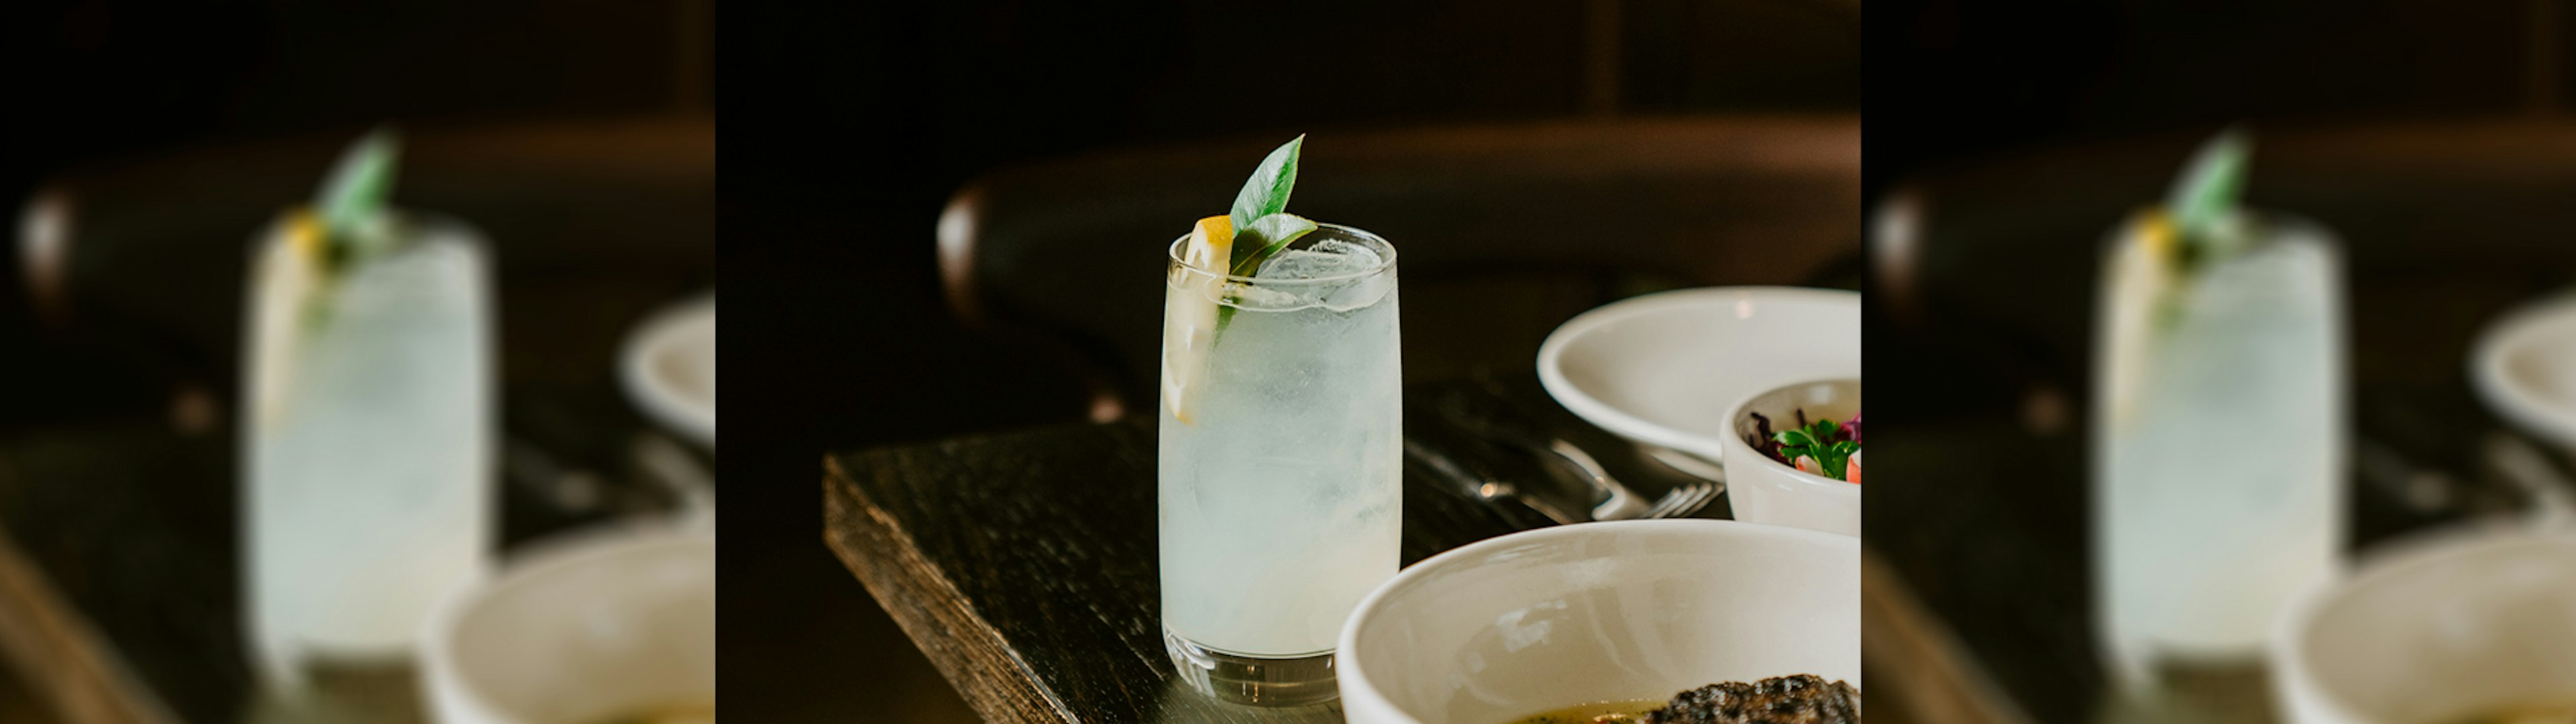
(1642, 609)
(600, 624)
(1761, 490)
(1664, 369)
(2434, 628)
(669, 368)
(2524, 365)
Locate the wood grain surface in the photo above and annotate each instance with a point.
(121, 591)
(1023, 564)
(69, 664)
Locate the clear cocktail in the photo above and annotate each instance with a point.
(1279, 460)
(2221, 410)
(368, 447)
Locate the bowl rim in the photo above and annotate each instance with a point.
(2408, 555)
(1353, 680)
(438, 664)
(1551, 372)
(2519, 329)
(1736, 412)
(657, 334)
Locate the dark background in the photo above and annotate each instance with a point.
(175, 127)
(93, 84)
(90, 81)
(1952, 81)
(2427, 134)
(845, 128)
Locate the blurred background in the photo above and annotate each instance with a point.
(149, 142)
(955, 212)
(2010, 139)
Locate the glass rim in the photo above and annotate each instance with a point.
(1173, 255)
(403, 215)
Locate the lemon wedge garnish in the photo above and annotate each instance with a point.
(1211, 246)
(289, 274)
(2139, 280)
(1189, 313)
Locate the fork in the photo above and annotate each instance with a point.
(1624, 504)
(1488, 417)
(1477, 486)
(1686, 498)
(1618, 503)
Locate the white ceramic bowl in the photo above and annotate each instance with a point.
(1642, 609)
(598, 625)
(669, 368)
(2525, 367)
(1663, 369)
(1761, 490)
(2433, 629)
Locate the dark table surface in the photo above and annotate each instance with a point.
(130, 530)
(1024, 563)
(119, 535)
(1981, 342)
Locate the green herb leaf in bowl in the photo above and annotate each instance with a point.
(1823, 440)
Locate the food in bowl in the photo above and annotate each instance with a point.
(1611, 611)
(1765, 480)
(1798, 699)
(1824, 448)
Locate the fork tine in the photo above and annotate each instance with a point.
(1683, 501)
(1672, 498)
(1660, 505)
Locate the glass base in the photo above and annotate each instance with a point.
(1254, 680)
(336, 692)
(2208, 690)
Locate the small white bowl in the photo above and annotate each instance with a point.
(669, 368)
(2525, 367)
(1662, 369)
(2435, 628)
(597, 625)
(1641, 609)
(1762, 490)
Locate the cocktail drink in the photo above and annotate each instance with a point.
(368, 446)
(2221, 409)
(1279, 455)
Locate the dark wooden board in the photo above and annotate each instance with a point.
(128, 531)
(1023, 564)
(120, 587)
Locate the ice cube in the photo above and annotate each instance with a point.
(1327, 258)
(1357, 293)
